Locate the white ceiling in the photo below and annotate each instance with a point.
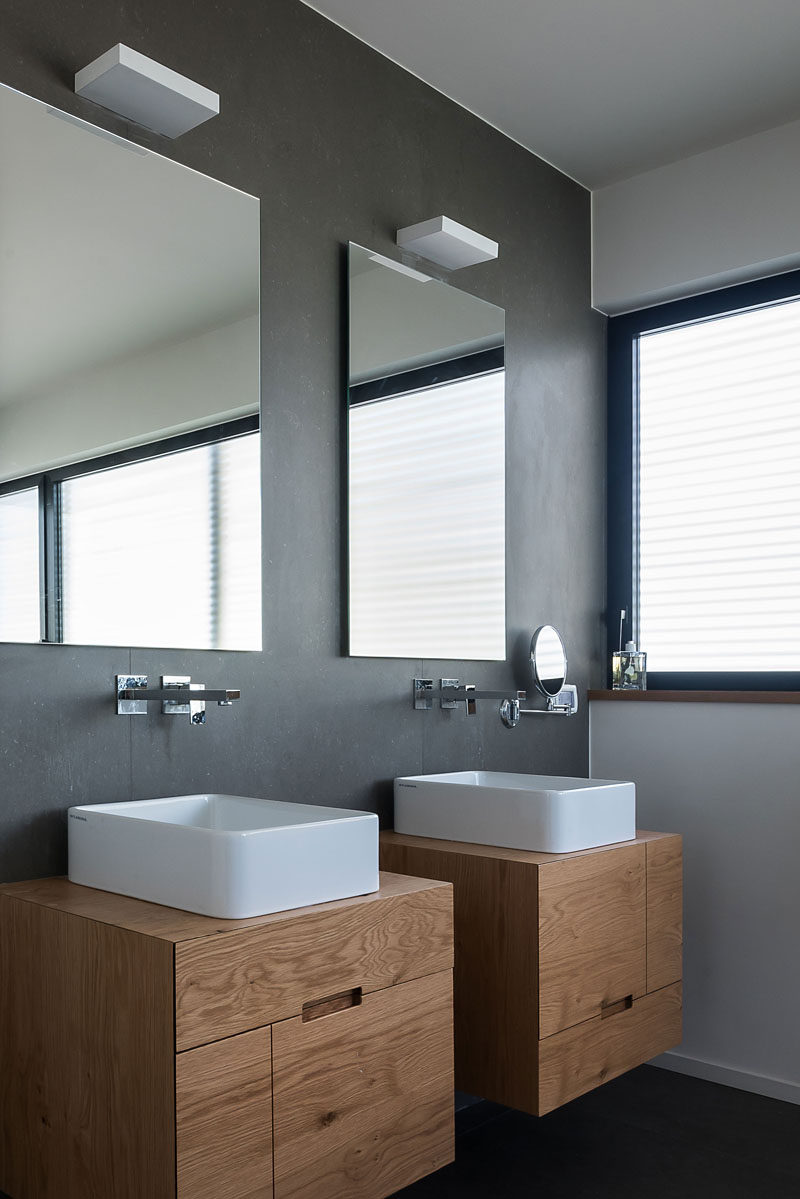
(602, 89)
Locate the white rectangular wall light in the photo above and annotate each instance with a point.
(448, 243)
(137, 87)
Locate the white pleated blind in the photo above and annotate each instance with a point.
(719, 493)
(427, 523)
(239, 568)
(19, 566)
(166, 552)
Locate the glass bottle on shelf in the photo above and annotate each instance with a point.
(629, 668)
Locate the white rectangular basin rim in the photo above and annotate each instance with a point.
(533, 813)
(317, 855)
(446, 780)
(225, 832)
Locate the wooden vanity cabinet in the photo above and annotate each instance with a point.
(567, 967)
(148, 1052)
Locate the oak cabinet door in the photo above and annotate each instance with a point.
(363, 1091)
(664, 912)
(592, 935)
(223, 1107)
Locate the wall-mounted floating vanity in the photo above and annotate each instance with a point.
(150, 1053)
(567, 965)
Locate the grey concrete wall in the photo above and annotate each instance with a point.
(339, 144)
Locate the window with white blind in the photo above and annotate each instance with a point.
(427, 522)
(713, 513)
(19, 566)
(160, 550)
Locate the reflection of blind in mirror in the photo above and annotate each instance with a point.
(19, 566)
(156, 552)
(427, 523)
(720, 493)
(239, 573)
(550, 660)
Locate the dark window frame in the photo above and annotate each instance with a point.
(623, 436)
(48, 485)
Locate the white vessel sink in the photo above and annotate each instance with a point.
(224, 855)
(517, 811)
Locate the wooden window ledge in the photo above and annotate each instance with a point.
(699, 697)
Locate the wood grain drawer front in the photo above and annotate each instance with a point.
(363, 1098)
(592, 935)
(664, 912)
(223, 1096)
(245, 979)
(578, 1059)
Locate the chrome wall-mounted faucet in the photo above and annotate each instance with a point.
(548, 659)
(450, 693)
(178, 696)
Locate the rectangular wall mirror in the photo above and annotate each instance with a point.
(129, 393)
(426, 466)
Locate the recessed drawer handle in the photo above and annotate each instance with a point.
(618, 1005)
(331, 1004)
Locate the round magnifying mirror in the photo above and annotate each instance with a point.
(548, 660)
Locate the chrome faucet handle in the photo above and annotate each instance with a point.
(129, 702)
(453, 694)
(175, 707)
(197, 708)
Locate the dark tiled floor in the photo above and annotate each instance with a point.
(650, 1134)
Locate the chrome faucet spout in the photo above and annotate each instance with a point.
(178, 695)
